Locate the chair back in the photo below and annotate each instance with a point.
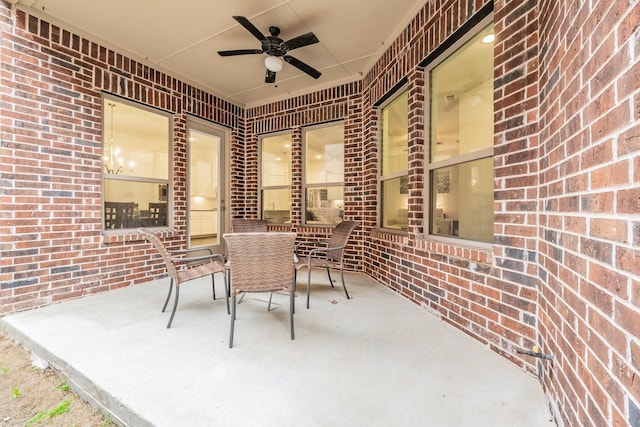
(261, 262)
(339, 238)
(249, 225)
(118, 214)
(172, 271)
(158, 214)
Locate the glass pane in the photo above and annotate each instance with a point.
(462, 100)
(463, 204)
(131, 204)
(276, 160)
(324, 155)
(276, 205)
(136, 141)
(394, 136)
(325, 205)
(204, 164)
(394, 203)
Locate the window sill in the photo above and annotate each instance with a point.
(467, 249)
(479, 252)
(319, 225)
(279, 227)
(471, 244)
(394, 231)
(132, 235)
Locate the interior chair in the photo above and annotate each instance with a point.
(260, 262)
(182, 268)
(249, 225)
(327, 254)
(445, 226)
(158, 214)
(118, 214)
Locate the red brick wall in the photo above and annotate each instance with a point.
(589, 206)
(51, 242)
(516, 167)
(490, 295)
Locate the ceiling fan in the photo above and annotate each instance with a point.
(275, 48)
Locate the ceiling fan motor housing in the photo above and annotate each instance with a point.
(274, 46)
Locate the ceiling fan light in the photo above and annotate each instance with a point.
(273, 63)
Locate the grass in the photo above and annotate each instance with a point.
(61, 408)
(64, 386)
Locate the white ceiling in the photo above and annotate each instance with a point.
(183, 38)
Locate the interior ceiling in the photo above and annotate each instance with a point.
(183, 38)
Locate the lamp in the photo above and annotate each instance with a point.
(273, 63)
(113, 162)
(489, 38)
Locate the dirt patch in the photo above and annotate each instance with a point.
(30, 396)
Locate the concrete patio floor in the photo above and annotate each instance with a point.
(374, 360)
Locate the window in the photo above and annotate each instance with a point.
(394, 164)
(275, 180)
(135, 165)
(460, 170)
(324, 174)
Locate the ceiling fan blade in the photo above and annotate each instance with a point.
(239, 52)
(270, 77)
(302, 66)
(250, 27)
(300, 41)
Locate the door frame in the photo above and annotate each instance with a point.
(205, 126)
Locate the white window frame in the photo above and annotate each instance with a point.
(453, 161)
(305, 185)
(164, 185)
(395, 175)
(261, 186)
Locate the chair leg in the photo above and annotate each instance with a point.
(226, 291)
(343, 285)
(308, 286)
(233, 318)
(270, 297)
(292, 306)
(213, 286)
(168, 296)
(228, 280)
(294, 291)
(175, 305)
(295, 284)
(241, 296)
(329, 274)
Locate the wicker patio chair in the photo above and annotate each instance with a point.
(327, 254)
(181, 268)
(241, 225)
(260, 262)
(249, 225)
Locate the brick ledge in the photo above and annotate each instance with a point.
(123, 236)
